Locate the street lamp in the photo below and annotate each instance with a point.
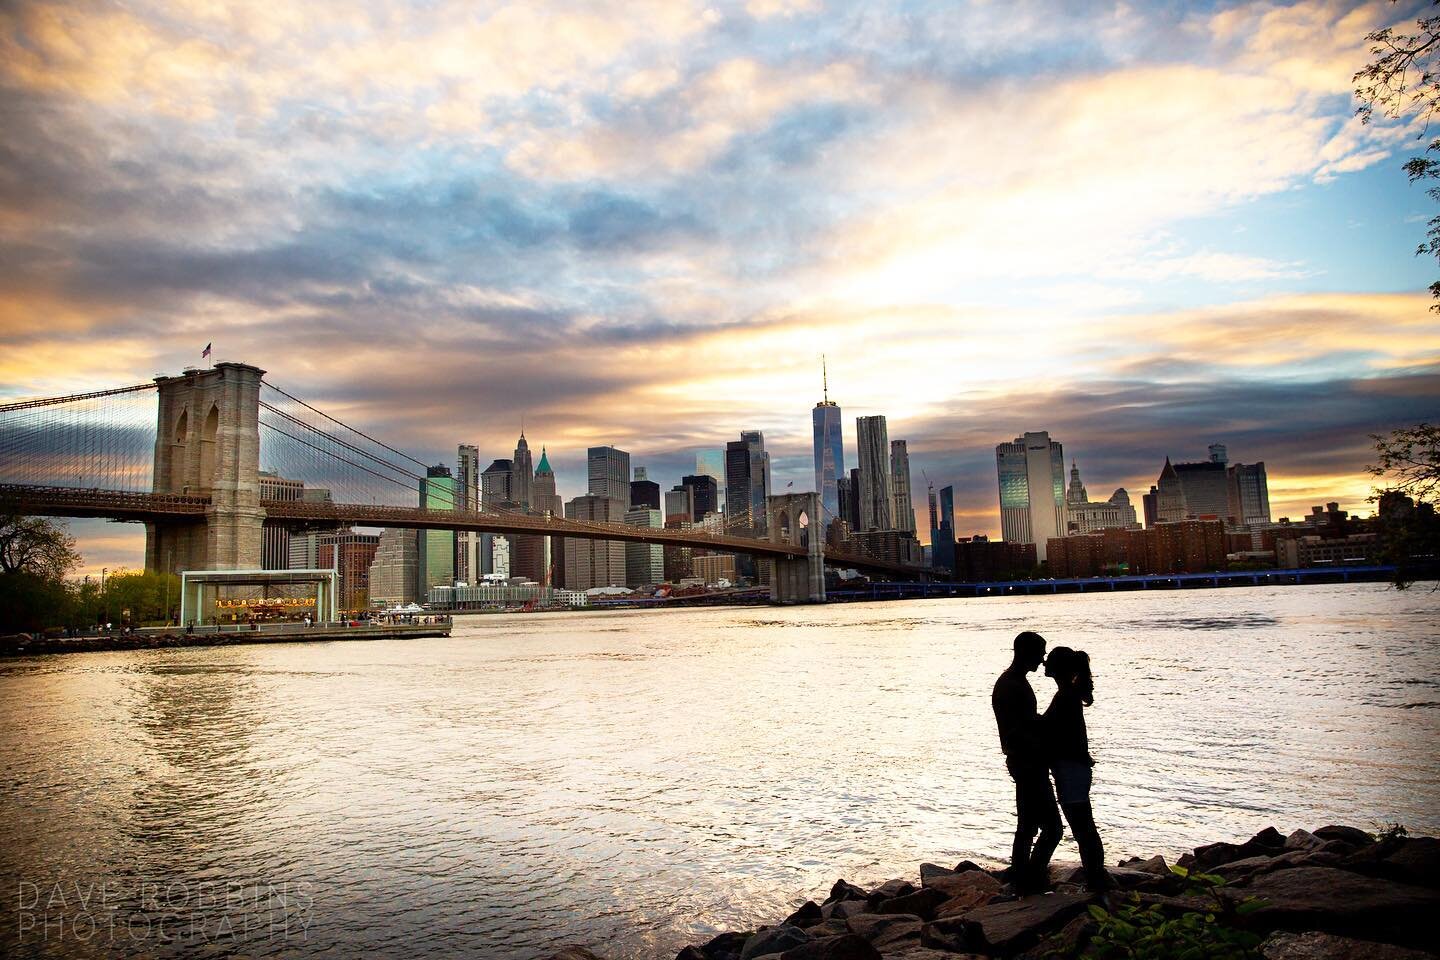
(104, 601)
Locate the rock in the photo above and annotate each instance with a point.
(921, 903)
(807, 916)
(1269, 838)
(773, 940)
(829, 928)
(1155, 864)
(726, 946)
(960, 883)
(951, 934)
(1008, 928)
(965, 866)
(574, 952)
(888, 932)
(891, 888)
(846, 891)
(1352, 835)
(1326, 946)
(1341, 902)
(845, 909)
(1238, 870)
(926, 953)
(1066, 871)
(1069, 942)
(845, 947)
(1303, 840)
(929, 871)
(1416, 860)
(691, 953)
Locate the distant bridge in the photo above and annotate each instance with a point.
(190, 470)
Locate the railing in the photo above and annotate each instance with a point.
(88, 501)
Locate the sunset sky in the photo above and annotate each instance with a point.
(1143, 227)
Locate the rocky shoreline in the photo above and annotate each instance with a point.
(1337, 893)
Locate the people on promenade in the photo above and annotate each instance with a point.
(1070, 761)
(1027, 758)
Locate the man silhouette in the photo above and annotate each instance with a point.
(1026, 759)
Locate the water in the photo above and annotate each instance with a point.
(638, 780)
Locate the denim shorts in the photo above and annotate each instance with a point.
(1072, 781)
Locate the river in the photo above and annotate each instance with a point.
(636, 780)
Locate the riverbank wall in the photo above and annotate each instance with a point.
(1337, 893)
(22, 644)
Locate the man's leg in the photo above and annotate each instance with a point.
(1046, 815)
(1025, 827)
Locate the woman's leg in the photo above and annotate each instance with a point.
(1087, 838)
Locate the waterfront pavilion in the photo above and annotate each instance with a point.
(208, 596)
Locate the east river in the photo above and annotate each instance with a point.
(636, 780)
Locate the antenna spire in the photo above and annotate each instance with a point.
(824, 378)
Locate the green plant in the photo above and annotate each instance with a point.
(1144, 931)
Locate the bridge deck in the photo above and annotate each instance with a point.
(169, 508)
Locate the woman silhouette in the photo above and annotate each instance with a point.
(1070, 760)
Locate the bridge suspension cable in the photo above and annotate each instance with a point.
(56, 401)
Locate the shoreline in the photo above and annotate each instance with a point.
(1338, 893)
(156, 638)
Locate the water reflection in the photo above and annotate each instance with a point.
(637, 780)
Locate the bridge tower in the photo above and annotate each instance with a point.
(795, 519)
(207, 443)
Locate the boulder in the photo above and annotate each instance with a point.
(891, 888)
(1303, 840)
(965, 866)
(829, 928)
(691, 953)
(1069, 941)
(888, 932)
(1351, 835)
(1269, 838)
(1155, 864)
(807, 916)
(845, 909)
(950, 934)
(1239, 870)
(921, 903)
(1416, 860)
(1338, 901)
(773, 940)
(726, 946)
(846, 891)
(845, 947)
(1007, 928)
(928, 871)
(958, 883)
(1326, 946)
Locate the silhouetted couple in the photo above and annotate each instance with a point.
(1038, 746)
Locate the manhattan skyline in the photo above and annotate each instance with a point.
(643, 227)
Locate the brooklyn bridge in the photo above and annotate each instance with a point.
(184, 455)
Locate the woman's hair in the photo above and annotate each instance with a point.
(1072, 668)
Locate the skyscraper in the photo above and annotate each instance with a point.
(1249, 493)
(546, 501)
(438, 491)
(467, 542)
(644, 562)
(873, 441)
(747, 483)
(609, 473)
(903, 510)
(522, 473)
(711, 463)
(1031, 471)
(495, 485)
(644, 492)
(595, 563)
(942, 549)
(829, 451)
(704, 495)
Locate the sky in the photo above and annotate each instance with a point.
(1142, 227)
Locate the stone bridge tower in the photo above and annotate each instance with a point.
(207, 443)
(795, 519)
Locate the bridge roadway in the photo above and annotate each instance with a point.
(171, 508)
